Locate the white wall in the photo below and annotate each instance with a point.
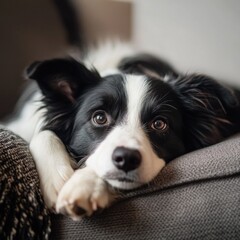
(195, 36)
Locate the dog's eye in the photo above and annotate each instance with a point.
(100, 118)
(159, 125)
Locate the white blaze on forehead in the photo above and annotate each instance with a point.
(136, 88)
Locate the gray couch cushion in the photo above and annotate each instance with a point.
(196, 196)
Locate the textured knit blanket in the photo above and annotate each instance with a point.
(22, 211)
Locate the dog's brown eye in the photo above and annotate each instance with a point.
(159, 125)
(100, 118)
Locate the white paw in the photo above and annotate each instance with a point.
(52, 183)
(83, 194)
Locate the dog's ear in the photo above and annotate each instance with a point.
(62, 79)
(148, 65)
(208, 109)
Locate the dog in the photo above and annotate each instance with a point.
(121, 116)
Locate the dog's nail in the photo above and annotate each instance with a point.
(94, 206)
(78, 210)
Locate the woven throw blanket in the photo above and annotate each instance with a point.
(22, 211)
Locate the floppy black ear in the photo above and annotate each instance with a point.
(62, 79)
(211, 111)
(148, 65)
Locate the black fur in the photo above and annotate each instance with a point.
(162, 102)
(210, 111)
(62, 105)
(141, 63)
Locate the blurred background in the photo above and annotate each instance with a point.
(195, 36)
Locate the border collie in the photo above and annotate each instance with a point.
(120, 115)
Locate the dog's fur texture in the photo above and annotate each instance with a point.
(122, 116)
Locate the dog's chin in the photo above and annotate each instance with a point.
(123, 184)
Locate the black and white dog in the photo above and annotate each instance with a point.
(122, 115)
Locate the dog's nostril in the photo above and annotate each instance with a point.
(126, 159)
(119, 160)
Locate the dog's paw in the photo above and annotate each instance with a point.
(53, 183)
(83, 194)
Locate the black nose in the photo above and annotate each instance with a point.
(126, 159)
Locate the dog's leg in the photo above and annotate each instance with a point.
(53, 164)
(83, 194)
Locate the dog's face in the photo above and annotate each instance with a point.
(128, 126)
(124, 126)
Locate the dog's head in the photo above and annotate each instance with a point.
(128, 126)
